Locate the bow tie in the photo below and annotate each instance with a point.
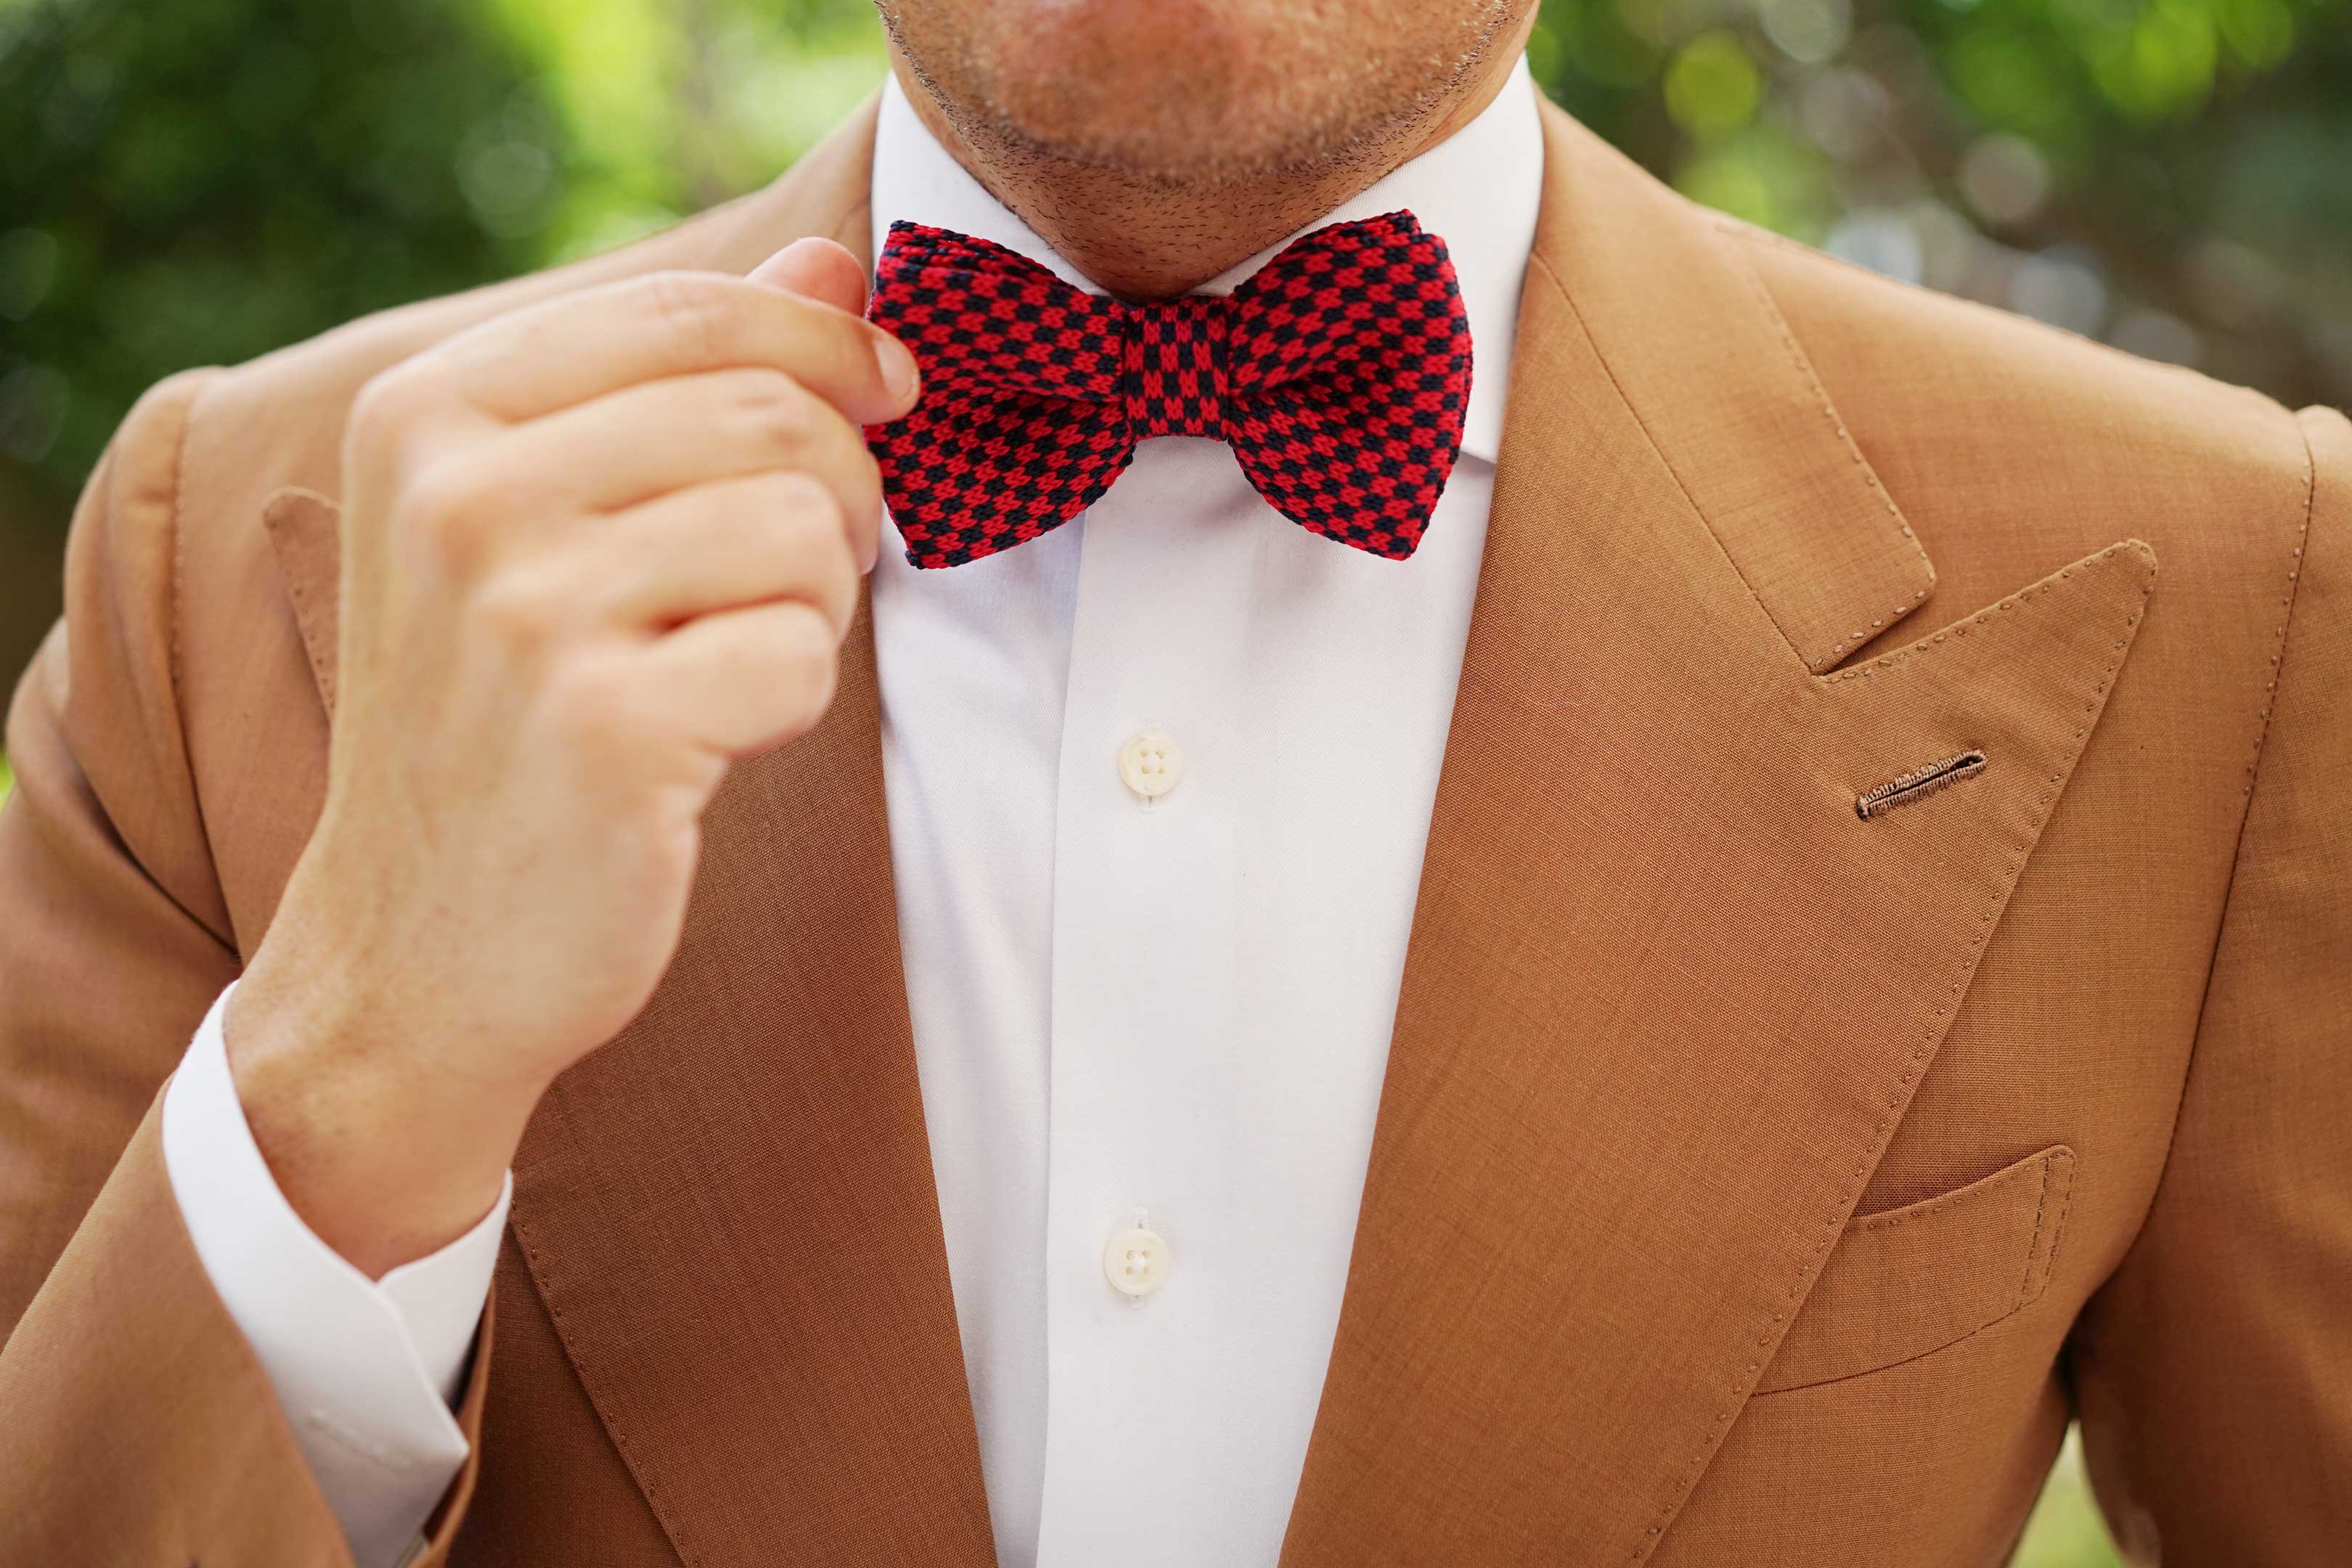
(1338, 372)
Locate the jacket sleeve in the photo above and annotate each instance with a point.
(2213, 1373)
(138, 1426)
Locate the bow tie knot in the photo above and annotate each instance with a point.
(1339, 374)
(1174, 377)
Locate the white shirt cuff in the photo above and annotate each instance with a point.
(365, 1370)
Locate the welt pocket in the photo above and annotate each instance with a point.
(1902, 1282)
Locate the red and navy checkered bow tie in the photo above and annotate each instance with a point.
(1338, 372)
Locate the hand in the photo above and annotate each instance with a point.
(593, 552)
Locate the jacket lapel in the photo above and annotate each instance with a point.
(1667, 993)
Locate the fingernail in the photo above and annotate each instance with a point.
(898, 365)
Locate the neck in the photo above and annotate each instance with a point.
(1144, 239)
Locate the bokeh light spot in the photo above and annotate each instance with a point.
(1713, 86)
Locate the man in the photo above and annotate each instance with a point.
(1689, 996)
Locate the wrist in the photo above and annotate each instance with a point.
(385, 1160)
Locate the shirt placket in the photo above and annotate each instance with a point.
(1147, 885)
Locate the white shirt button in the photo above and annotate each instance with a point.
(1150, 763)
(1136, 1261)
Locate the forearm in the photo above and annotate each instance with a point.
(384, 1163)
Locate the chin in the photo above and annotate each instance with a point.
(1158, 88)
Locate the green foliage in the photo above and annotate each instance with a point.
(194, 183)
(669, 107)
(2065, 1531)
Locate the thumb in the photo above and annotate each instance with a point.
(817, 269)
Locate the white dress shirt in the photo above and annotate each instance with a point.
(1157, 786)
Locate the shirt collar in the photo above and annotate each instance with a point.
(1477, 190)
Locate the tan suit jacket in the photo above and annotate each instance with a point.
(1755, 1182)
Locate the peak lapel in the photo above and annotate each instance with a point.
(1667, 993)
(728, 1209)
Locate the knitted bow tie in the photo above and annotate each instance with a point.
(1338, 372)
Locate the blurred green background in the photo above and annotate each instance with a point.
(197, 181)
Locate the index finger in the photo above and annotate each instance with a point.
(569, 349)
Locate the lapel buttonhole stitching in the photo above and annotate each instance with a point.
(1882, 798)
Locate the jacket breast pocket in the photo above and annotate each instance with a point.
(1906, 1282)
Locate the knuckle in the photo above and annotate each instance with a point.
(844, 443)
(777, 411)
(843, 345)
(694, 307)
(387, 404)
(589, 704)
(521, 613)
(443, 506)
(803, 641)
(864, 478)
(810, 664)
(832, 451)
(804, 499)
(833, 589)
(811, 543)
(852, 480)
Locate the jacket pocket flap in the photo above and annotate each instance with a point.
(1906, 1282)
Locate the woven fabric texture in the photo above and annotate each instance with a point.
(1339, 373)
